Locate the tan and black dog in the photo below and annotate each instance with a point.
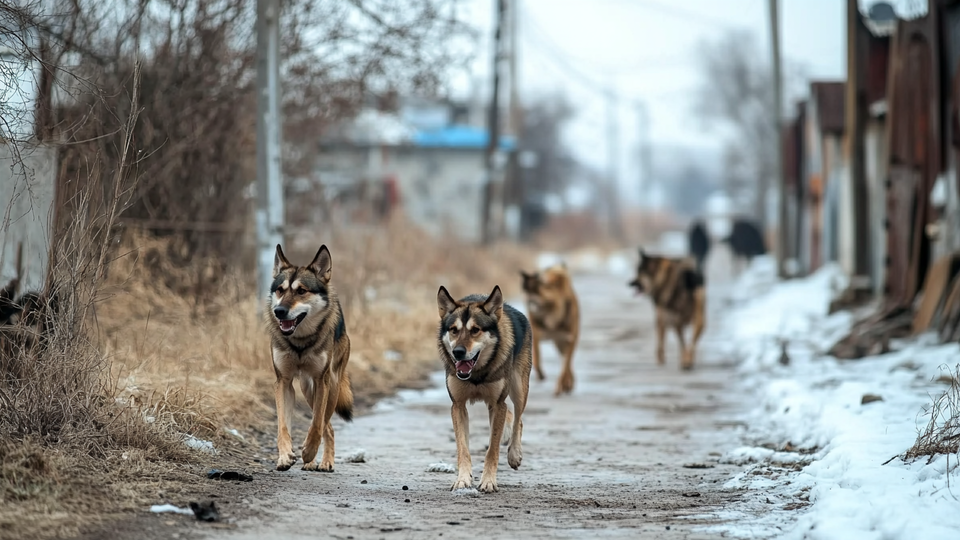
(485, 348)
(677, 290)
(308, 339)
(554, 315)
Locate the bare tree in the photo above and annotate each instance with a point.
(543, 124)
(194, 136)
(736, 93)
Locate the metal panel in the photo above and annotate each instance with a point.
(915, 153)
(901, 199)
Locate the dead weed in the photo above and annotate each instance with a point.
(942, 434)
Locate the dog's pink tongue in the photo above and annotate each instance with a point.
(286, 326)
(464, 366)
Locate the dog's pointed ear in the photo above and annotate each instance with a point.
(280, 263)
(643, 254)
(445, 303)
(493, 305)
(322, 264)
(525, 275)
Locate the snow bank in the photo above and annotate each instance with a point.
(817, 452)
(619, 263)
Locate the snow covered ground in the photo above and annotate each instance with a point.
(819, 453)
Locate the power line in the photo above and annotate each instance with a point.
(546, 45)
(678, 12)
(563, 60)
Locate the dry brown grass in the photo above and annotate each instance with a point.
(204, 363)
(942, 434)
(70, 451)
(145, 362)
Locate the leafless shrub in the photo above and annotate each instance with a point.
(942, 434)
(55, 386)
(195, 134)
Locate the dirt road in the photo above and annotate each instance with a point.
(623, 456)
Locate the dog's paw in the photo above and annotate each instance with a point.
(326, 466)
(462, 483)
(488, 485)
(564, 385)
(541, 376)
(285, 462)
(514, 457)
(312, 466)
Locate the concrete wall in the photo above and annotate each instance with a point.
(440, 189)
(27, 186)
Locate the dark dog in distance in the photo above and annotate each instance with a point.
(699, 243)
(746, 241)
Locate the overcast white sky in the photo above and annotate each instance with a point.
(646, 49)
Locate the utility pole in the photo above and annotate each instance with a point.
(516, 121)
(513, 198)
(613, 147)
(782, 228)
(493, 132)
(269, 215)
(645, 167)
(854, 130)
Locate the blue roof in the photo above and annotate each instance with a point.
(459, 136)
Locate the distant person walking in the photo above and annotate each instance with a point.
(699, 242)
(746, 240)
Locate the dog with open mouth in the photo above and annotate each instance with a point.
(486, 349)
(309, 342)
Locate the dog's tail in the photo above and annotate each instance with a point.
(344, 406)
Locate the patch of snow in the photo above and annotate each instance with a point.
(672, 244)
(199, 444)
(746, 454)
(829, 479)
(441, 467)
(547, 259)
(360, 456)
(622, 264)
(169, 508)
(466, 492)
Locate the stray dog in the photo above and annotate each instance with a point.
(485, 348)
(555, 316)
(677, 291)
(699, 243)
(308, 339)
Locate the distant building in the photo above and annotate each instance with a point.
(427, 151)
(27, 166)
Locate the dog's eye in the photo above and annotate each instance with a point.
(453, 331)
(301, 290)
(475, 330)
